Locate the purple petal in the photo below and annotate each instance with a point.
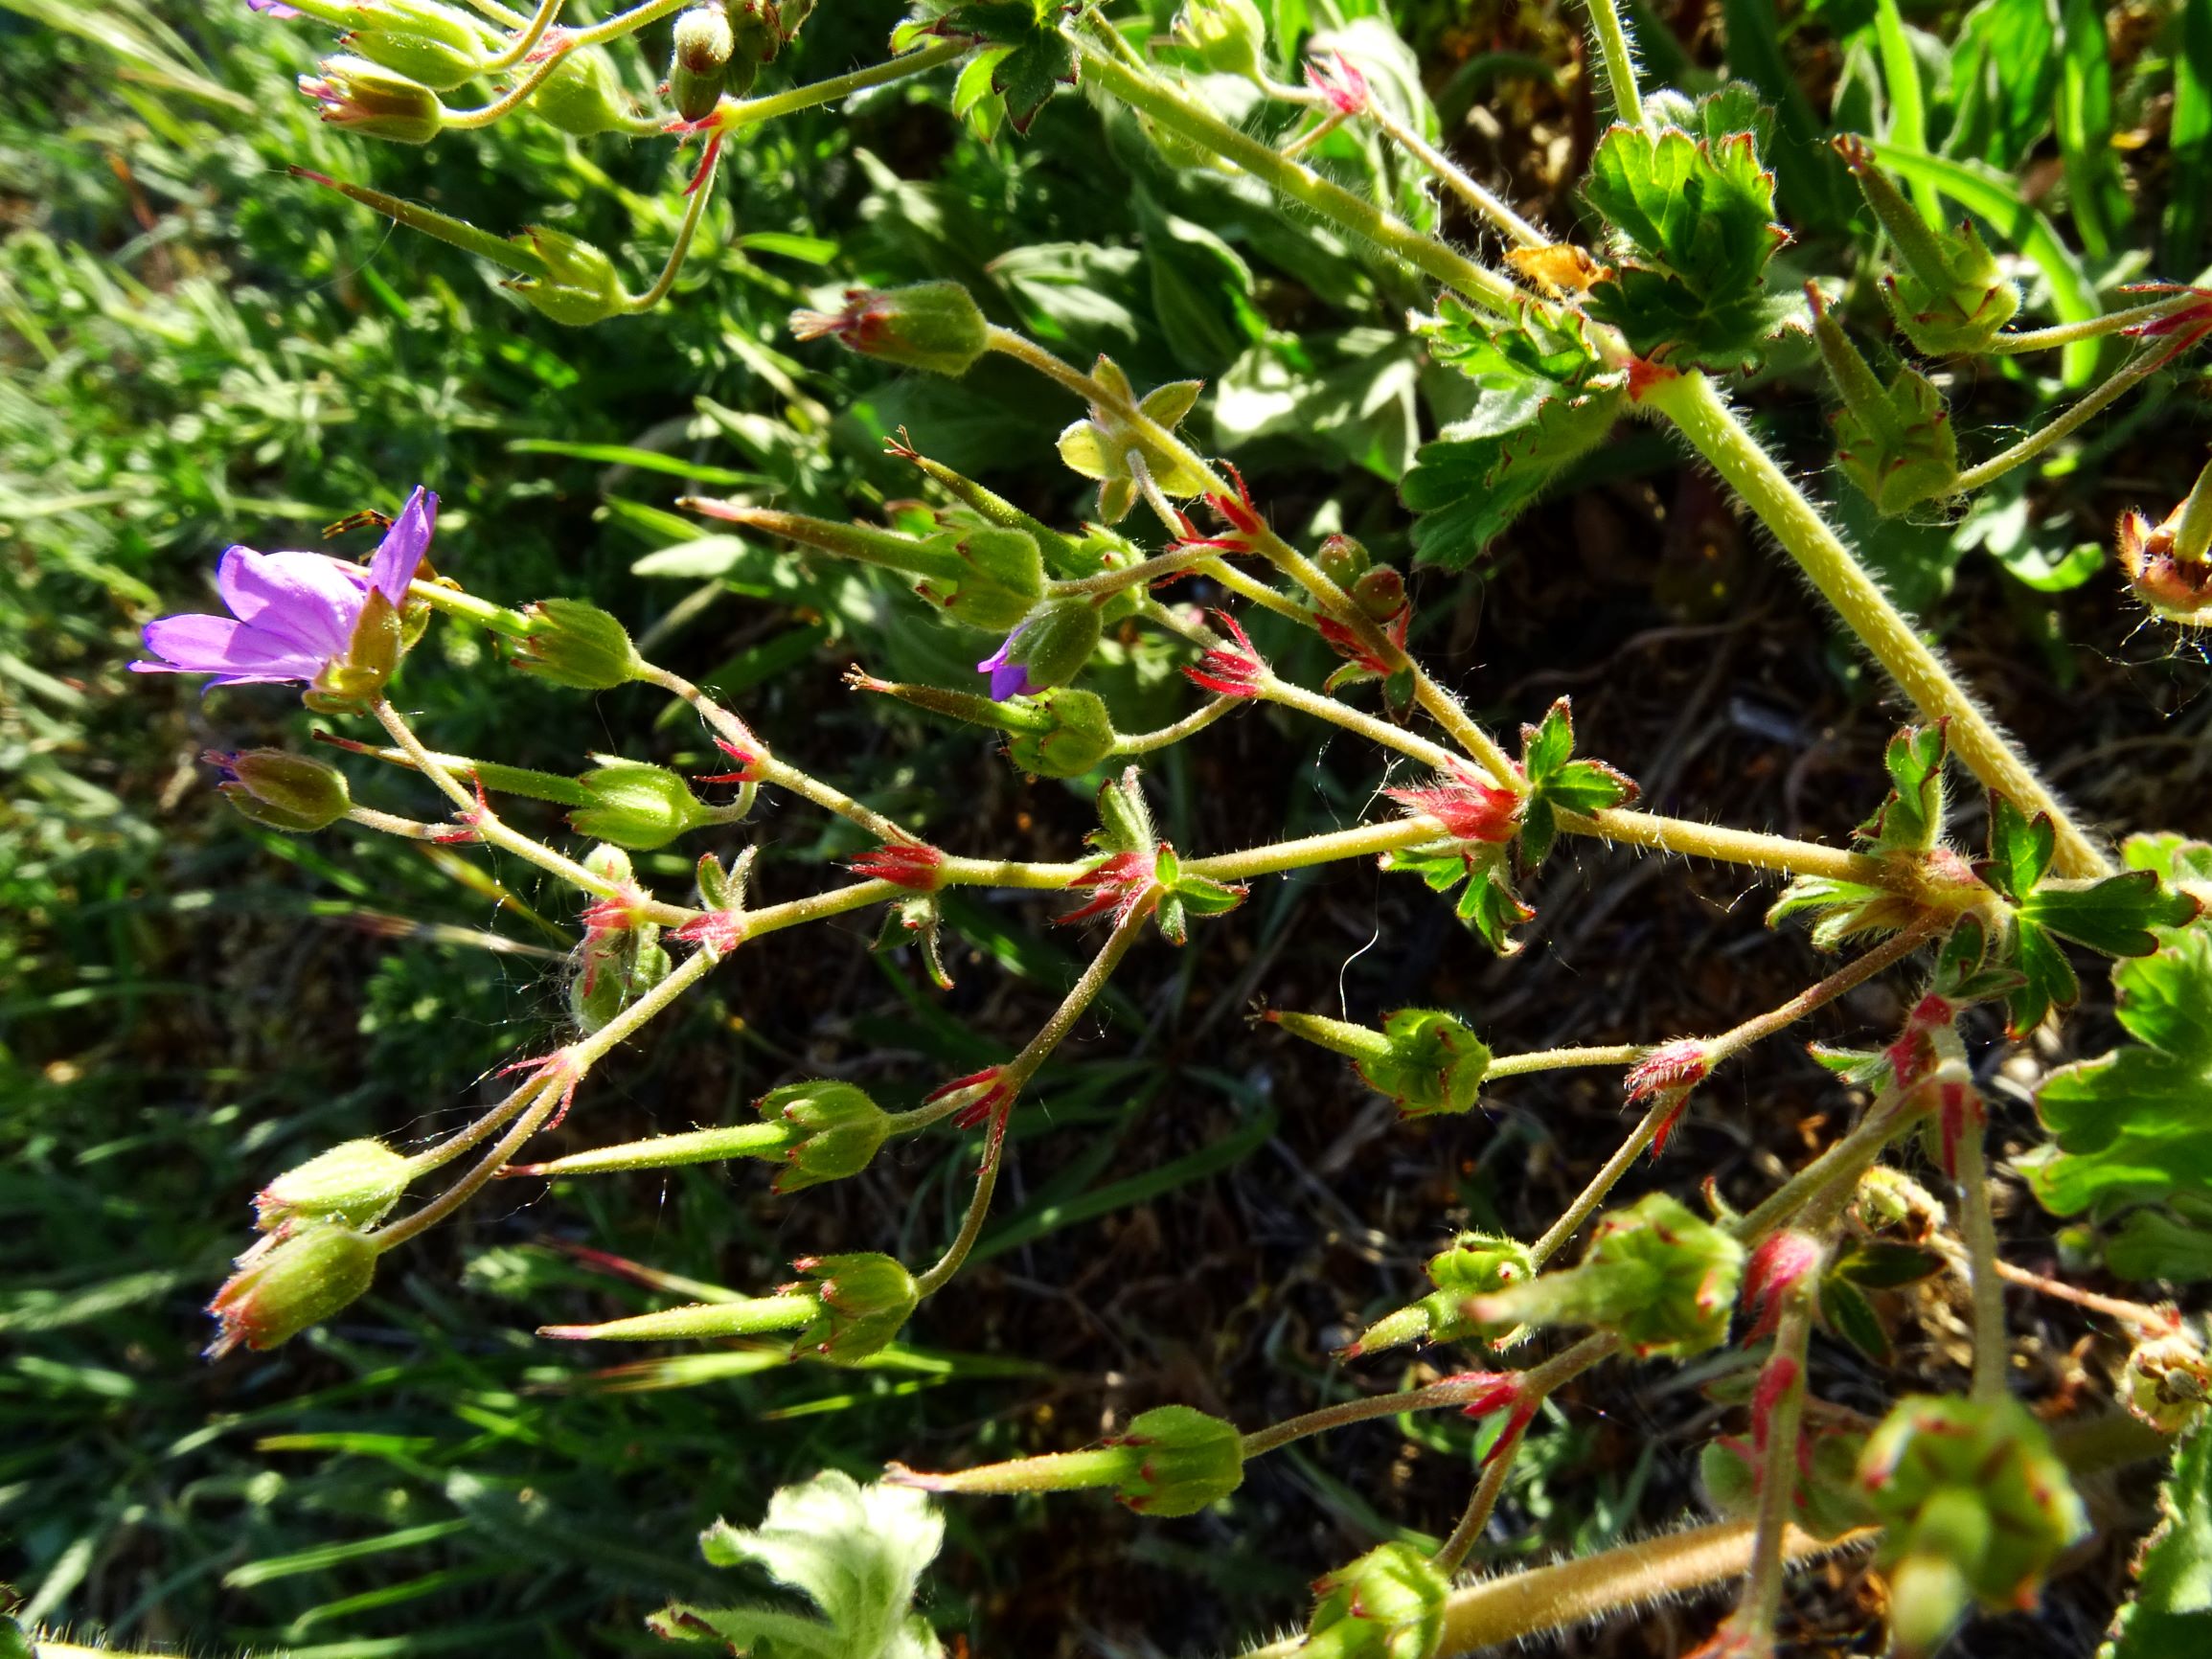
(303, 598)
(403, 546)
(215, 645)
(274, 7)
(1007, 679)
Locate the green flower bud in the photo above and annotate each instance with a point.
(1230, 36)
(1894, 441)
(1056, 644)
(290, 1282)
(1387, 1604)
(1001, 577)
(1066, 733)
(425, 42)
(866, 1299)
(792, 15)
(1477, 1265)
(1189, 1459)
(580, 285)
(1975, 1505)
(375, 101)
(1654, 1273)
(698, 68)
(840, 1125)
(636, 804)
(1951, 297)
(1381, 592)
(613, 969)
(1428, 1061)
(582, 98)
(284, 791)
(932, 326)
(355, 1182)
(1342, 560)
(759, 29)
(574, 643)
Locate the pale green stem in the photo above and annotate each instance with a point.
(626, 22)
(489, 1165)
(1257, 592)
(1146, 742)
(1112, 581)
(1618, 55)
(1977, 1227)
(1016, 1074)
(390, 824)
(2139, 367)
(455, 602)
(1560, 1059)
(1777, 1476)
(515, 96)
(734, 113)
(1536, 1384)
(1838, 1169)
(1515, 229)
(521, 45)
(2091, 328)
(491, 828)
(1729, 1043)
(1181, 116)
(1440, 703)
(1697, 409)
(1352, 719)
(701, 189)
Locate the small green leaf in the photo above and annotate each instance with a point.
(1696, 217)
(1040, 60)
(2020, 851)
(1911, 819)
(1545, 747)
(1852, 1317)
(2115, 916)
(2172, 1610)
(1885, 1267)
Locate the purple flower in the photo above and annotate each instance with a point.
(274, 7)
(1008, 679)
(292, 614)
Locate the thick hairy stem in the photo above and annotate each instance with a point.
(1696, 408)
(1618, 53)
(1783, 1410)
(1977, 1227)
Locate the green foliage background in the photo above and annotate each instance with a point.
(200, 348)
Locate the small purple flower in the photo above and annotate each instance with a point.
(1008, 679)
(274, 7)
(292, 614)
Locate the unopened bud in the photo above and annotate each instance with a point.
(698, 66)
(282, 791)
(366, 98)
(1186, 1461)
(1387, 1604)
(866, 1298)
(426, 42)
(1342, 559)
(638, 805)
(1381, 592)
(580, 285)
(578, 645)
(1230, 36)
(1065, 732)
(1000, 577)
(582, 98)
(1477, 1265)
(839, 1129)
(932, 326)
(289, 1283)
(1654, 1274)
(1975, 1507)
(1778, 1267)
(1428, 1061)
(1952, 296)
(354, 1183)
(1054, 646)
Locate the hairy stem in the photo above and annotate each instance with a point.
(1977, 1227)
(1699, 411)
(2134, 372)
(1618, 53)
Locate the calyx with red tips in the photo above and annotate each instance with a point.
(906, 864)
(1234, 670)
(1341, 82)
(750, 763)
(1469, 807)
(1678, 1065)
(988, 1089)
(1778, 1267)
(1496, 1391)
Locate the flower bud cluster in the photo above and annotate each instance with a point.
(1425, 1060)
(1387, 1604)
(1654, 1274)
(1477, 1265)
